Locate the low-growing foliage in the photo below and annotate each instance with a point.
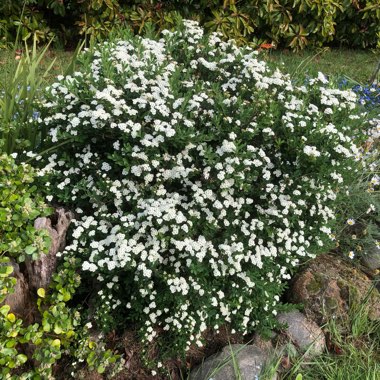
(59, 329)
(20, 205)
(369, 95)
(200, 179)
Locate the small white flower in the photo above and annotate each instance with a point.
(311, 151)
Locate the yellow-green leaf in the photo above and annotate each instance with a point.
(41, 292)
(11, 317)
(4, 309)
(56, 343)
(22, 358)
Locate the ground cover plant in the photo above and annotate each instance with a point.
(195, 170)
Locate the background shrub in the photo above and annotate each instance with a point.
(200, 179)
(288, 23)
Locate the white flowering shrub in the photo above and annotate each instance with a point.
(200, 178)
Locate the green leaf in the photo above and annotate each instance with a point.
(30, 249)
(8, 352)
(66, 296)
(101, 369)
(11, 343)
(4, 310)
(22, 358)
(5, 271)
(46, 326)
(56, 343)
(41, 292)
(57, 329)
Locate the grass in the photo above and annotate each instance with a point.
(8, 60)
(353, 364)
(23, 75)
(358, 65)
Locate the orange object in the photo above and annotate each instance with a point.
(266, 46)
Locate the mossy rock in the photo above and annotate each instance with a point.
(329, 285)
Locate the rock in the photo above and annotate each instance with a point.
(250, 360)
(326, 287)
(305, 334)
(265, 345)
(371, 259)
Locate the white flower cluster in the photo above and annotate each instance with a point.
(199, 177)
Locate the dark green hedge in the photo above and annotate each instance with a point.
(286, 23)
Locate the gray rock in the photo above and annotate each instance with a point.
(249, 359)
(371, 259)
(264, 345)
(305, 334)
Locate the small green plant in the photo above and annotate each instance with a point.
(60, 331)
(20, 205)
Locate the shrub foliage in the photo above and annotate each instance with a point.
(200, 179)
(287, 22)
